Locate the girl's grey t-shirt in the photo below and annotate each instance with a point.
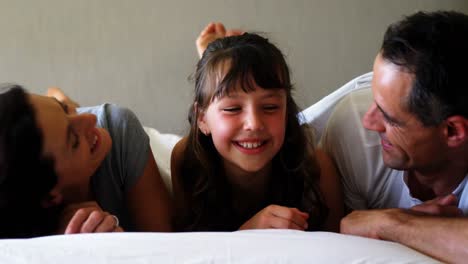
(124, 163)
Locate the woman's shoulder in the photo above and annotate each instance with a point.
(178, 192)
(177, 157)
(112, 116)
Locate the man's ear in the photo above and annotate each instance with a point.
(52, 199)
(456, 130)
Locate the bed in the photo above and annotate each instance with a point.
(254, 246)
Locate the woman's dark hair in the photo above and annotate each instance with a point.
(246, 60)
(433, 47)
(26, 177)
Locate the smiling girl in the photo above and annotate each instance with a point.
(247, 162)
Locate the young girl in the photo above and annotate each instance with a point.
(246, 162)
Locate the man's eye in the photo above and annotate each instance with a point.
(389, 121)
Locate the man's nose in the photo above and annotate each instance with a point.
(372, 120)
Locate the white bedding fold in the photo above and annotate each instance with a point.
(255, 246)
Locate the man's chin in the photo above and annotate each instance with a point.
(394, 164)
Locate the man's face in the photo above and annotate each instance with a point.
(406, 143)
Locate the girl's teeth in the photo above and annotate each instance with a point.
(250, 145)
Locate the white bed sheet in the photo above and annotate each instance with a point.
(255, 246)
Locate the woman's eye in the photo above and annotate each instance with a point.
(76, 141)
(65, 107)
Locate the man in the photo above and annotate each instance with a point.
(418, 159)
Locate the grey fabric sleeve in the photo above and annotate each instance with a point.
(130, 144)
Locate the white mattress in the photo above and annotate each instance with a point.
(255, 246)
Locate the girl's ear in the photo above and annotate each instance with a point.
(53, 198)
(457, 131)
(201, 122)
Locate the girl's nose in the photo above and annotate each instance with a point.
(253, 121)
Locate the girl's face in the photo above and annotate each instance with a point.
(247, 129)
(77, 146)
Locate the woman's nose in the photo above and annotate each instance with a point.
(83, 121)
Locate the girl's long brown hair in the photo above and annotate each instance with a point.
(295, 174)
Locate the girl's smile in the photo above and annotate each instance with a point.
(247, 128)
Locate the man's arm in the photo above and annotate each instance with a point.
(440, 237)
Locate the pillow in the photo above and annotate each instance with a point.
(161, 146)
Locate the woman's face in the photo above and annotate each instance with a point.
(74, 142)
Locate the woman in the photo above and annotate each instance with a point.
(52, 156)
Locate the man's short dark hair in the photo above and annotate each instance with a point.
(26, 176)
(434, 47)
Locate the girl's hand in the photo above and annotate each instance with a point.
(88, 217)
(212, 32)
(275, 216)
(58, 94)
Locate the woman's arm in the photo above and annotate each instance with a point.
(149, 202)
(330, 186)
(180, 201)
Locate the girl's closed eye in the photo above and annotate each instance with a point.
(231, 109)
(270, 108)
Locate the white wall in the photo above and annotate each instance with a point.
(139, 53)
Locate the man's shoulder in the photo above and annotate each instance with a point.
(351, 109)
(344, 130)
